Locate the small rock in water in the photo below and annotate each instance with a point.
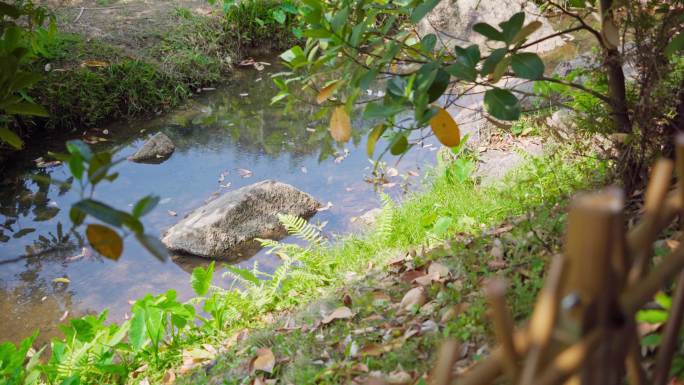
(156, 150)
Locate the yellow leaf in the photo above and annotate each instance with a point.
(340, 124)
(526, 31)
(105, 241)
(61, 280)
(445, 128)
(94, 63)
(326, 92)
(264, 360)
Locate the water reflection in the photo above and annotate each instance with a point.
(217, 137)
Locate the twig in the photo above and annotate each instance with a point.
(79, 14)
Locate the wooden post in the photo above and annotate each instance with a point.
(503, 326)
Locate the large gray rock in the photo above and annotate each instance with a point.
(453, 21)
(157, 149)
(226, 227)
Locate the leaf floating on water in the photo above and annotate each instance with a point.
(304, 170)
(172, 213)
(340, 124)
(244, 173)
(223, 176)
(64, 316)
(392, 171)
(226, 185)
(339, 313)
(326, 207)
(64, 280)
(105, 241)
(264, 361)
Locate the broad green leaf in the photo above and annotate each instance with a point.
(137, 335)
(77, 216)
(438, 86)
(78, 147)
(375, 110)
(102, 211)
(423, 9)
(153, 245)
(76, 166)
(26, 108)
(373, 137)
(98, 167)
(527, 65)
(201, 279)
(652, 316)
(145, 205)
(502, 104)
(500, 69)
(105, 241)
(427, 44)
(493, 60)
(470, 55)
(9, 137)
(399, 145)
(488, 31)
(462, 70)
(664, 300)
(512, 26)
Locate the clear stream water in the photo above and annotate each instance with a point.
(218, 133)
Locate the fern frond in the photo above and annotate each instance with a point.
(301, 229)
(385, 221)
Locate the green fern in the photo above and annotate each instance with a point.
(385, 221)
(301, 229)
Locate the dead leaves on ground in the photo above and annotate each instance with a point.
(263, 361)
(339, 313)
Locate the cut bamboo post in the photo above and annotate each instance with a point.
(503, 326)
(442, 373)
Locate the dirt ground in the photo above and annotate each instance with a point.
(131, 25)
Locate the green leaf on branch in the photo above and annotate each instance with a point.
(439, 85)
(675, 45)
(9, 137)
(145, 205)
(502, 104)
(78, 147)
(493, 60)
(423, 9)
(512, 26)
(527, 65)
(153, 245)
(399, 145)
(377, 110)
(26, 108)
(103, 212)
(488, 31)
(526, 31)
(427, 44)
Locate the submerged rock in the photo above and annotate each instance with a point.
(157, 149)
(226, 227)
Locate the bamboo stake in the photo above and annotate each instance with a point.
(570, 360)
(674, 323)
(448, 354)
(488, 370)
(635, 370)
(658, 186)
(544, 318)
(503, 326)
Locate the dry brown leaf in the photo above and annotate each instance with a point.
(372, 350)
(264, 361)
(340, 124)
(194, 358)
(439, 269)
(399, 377)
(414, 297)
(411, 275)
(169, 377)
(342, 312)
(94, 63)
(326, 92)
(427, 279)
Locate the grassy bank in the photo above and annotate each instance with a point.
(88, 82)
(167, 338)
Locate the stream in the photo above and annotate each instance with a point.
(225, 139)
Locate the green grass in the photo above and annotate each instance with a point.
(537, 191)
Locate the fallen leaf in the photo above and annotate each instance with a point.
(94, 63)
(304, 170)
(439, 269)
(392, 171)
(264, 361)
(340, 124)
(412, 173)
(427, 279)
(326, 207)
(411, 275)
(244, 173)
(372, 350)
(172, 213)
(194, 358)
(342, 312)
(61, 280)
(399, 377)
(64, 316)
(169, 377)
(414, 297)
